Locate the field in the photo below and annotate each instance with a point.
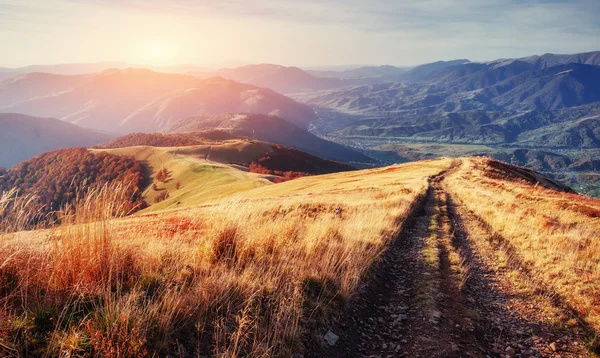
(250, 274)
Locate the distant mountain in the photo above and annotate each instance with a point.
(550, 59)
(269, 129)
(422, 71)
(63, 69)
(278, 78)
(387, 73)
(215, 96)
(23, 137)
(556, 87)
(491, 103)
(36, 84)
(140, 100)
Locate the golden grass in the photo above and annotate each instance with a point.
(192, 179)
(555, 236)
(242, 276)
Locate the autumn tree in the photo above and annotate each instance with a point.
(162, 175)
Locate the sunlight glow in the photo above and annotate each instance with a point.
(158, 53)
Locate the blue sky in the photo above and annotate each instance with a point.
(292, 32)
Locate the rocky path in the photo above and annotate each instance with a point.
(441, 291)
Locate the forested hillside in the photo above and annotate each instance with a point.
(56, 179)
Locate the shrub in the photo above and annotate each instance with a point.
(162, 175)
(162, 196)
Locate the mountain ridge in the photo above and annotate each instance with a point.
(23, 137)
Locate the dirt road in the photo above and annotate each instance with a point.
(443, 289)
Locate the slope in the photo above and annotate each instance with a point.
(192, 179)
(201, 170)
(421, 259)
(269, 129)
(452, 285)
(23, 137)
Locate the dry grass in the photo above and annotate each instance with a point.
(243, 276)
(553, 236)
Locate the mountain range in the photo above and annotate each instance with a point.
(135, 100)
(548, 102)
(491, 103)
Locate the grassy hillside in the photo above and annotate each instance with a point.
(242, 276)
(211, 169)
(430, 257)
(42, 191)
(555, 241)
(196, 174)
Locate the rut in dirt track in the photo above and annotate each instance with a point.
(413, 305)
(434, 294)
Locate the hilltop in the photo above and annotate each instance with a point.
(199, 170)
(270, 129)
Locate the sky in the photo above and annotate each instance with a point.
(303, 33)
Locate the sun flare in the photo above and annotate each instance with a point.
(159, 54)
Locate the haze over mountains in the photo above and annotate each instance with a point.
(22, 137)
(548, 102)
(142, 100)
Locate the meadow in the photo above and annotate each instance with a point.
(247, 274)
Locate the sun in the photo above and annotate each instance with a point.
(159, 53)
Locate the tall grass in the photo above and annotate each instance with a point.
(17, 212)
(244, 276)
(554, 236)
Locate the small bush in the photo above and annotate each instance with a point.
(162, 175)
(162, 196)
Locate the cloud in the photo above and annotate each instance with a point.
(378, 31)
